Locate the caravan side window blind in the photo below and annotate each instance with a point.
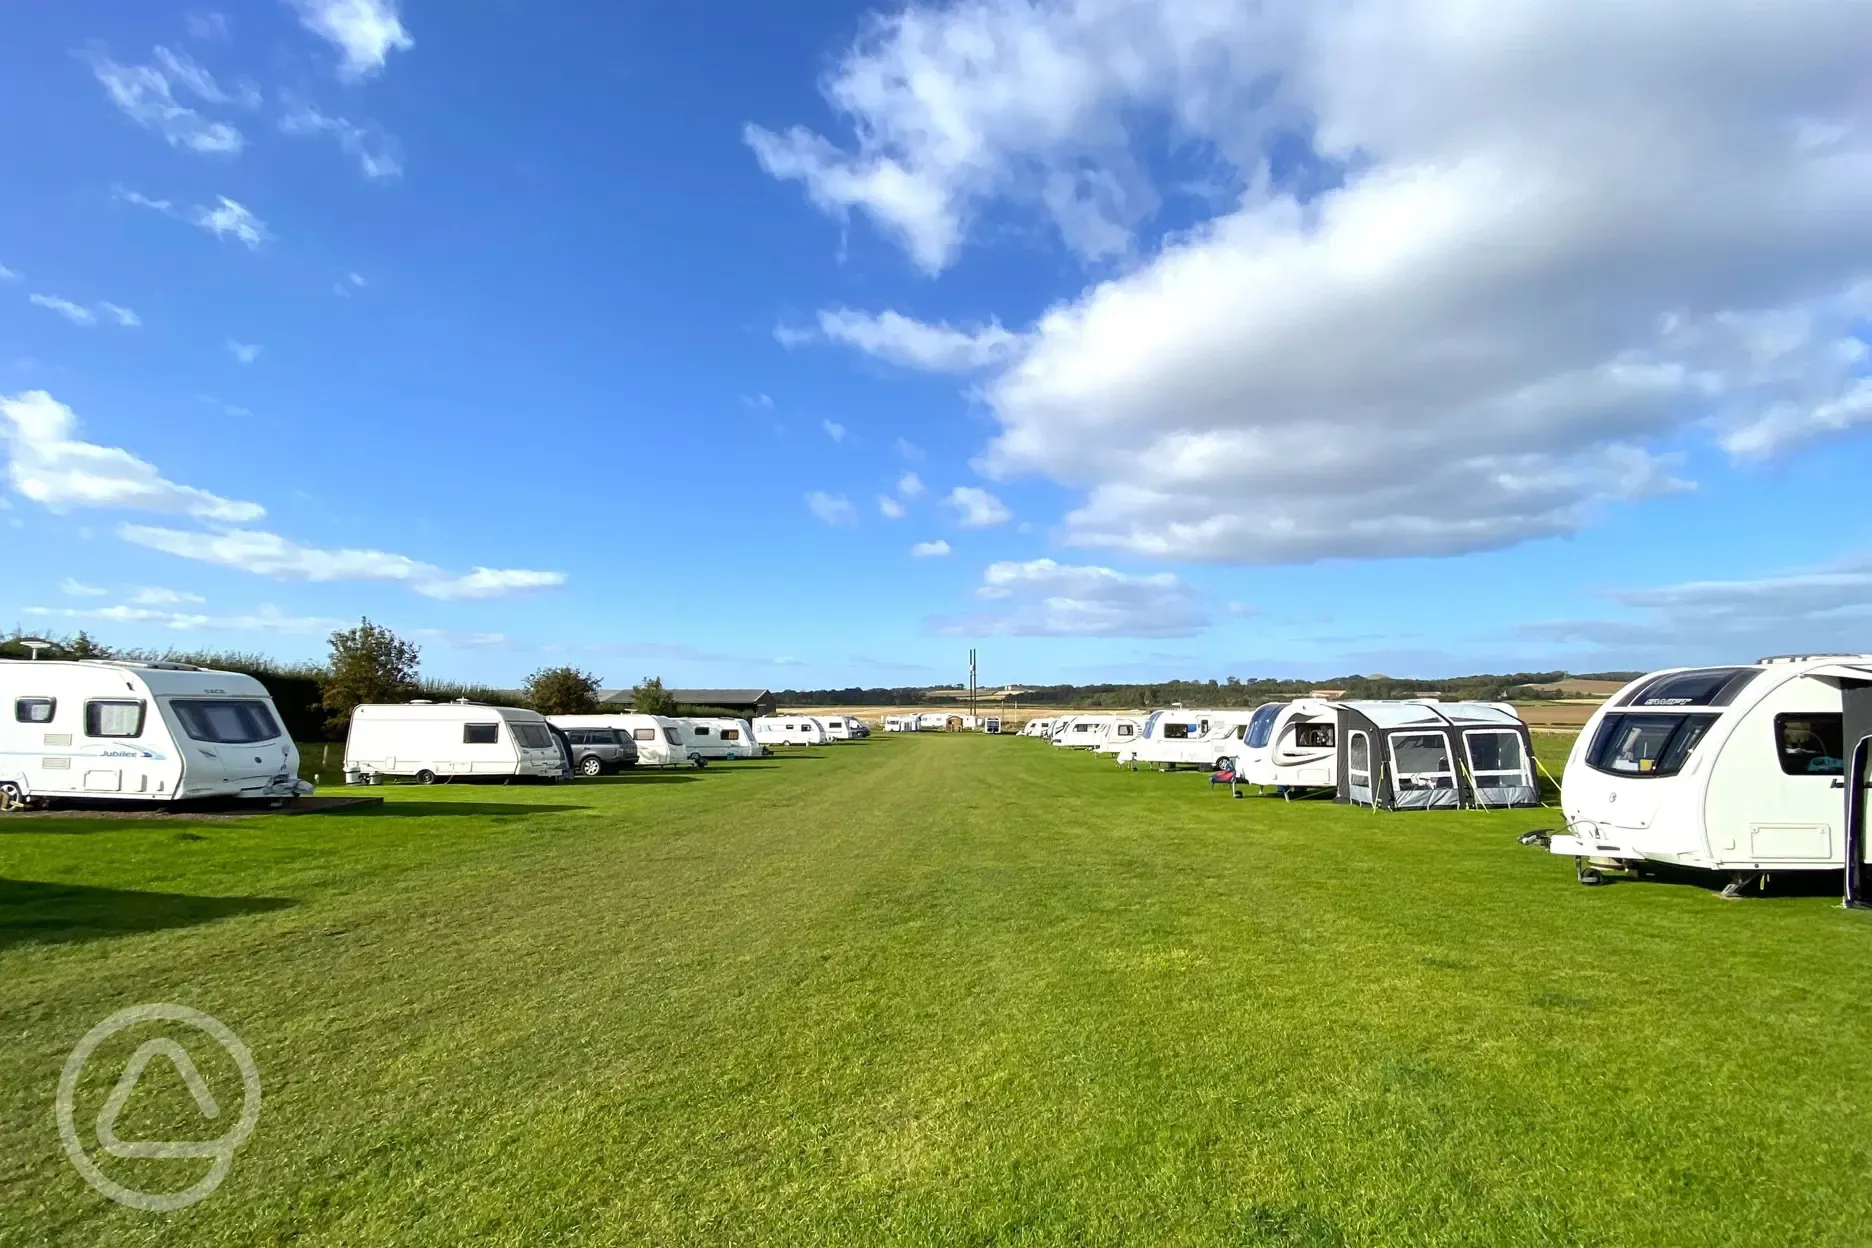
(113, 719)
(644, 734)
(480, 734)
(34, 710)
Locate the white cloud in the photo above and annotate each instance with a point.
(831, 508)
(145, 94)
(906, 449)
(910, 485)
(268, 619)
(977, 509)
(48, 464)
(1041, 598)
(230, 218)
(77, 314)
(1794, 610)
(352, 282)
(156, 596)
(911, 343)
(1516, 263)
(377, 153)
(122, 315)
(143, 201)
(365, 32)
(269, 554)
(833, 430)
(930, 550)
(78, 589)
(890, 508)
(180, 68)
(762, 401)
(243, 352)
(8, 275)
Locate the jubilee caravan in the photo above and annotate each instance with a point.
(1422, 755)
(1293, 746)
(122, 731)
(659, 742)
(716, 738)
(789, 730)
(439, 741)
(1745, 769)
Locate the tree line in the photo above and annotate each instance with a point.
(367, 663)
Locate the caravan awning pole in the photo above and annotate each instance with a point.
(1855, 892)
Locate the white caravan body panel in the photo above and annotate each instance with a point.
(1206, 738)
(1301, 750)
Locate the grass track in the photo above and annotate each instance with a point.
(942, 990)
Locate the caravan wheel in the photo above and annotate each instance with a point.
(697, 761)
(425, 776)
(11, 797)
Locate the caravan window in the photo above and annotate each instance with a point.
(701, 730)
(731, 734)
(480, 734)
(532, 736)
(1314, 736)
(1261, 725)
(1358, 760)
(644, 734)
(1176, 732)
(1709, 686)
(226, 723)
(1811, 745)
(34, 710)
(113, 719)
(1422, 761)
(1646, 745)
(669, 735)
(1496, 760)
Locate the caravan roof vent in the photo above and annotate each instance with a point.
(422, 702)
(1806, 658)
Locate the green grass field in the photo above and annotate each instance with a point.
(933, 990)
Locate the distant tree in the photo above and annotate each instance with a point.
(85, 646)
(651, 698)
(369, 663)
(562, 691)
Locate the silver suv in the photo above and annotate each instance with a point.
(600, 751)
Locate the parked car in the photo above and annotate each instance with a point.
(600, 751)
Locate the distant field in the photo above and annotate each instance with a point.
(934, 990)
(1583, 688)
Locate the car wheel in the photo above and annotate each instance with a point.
(592, 766)
(425, 776)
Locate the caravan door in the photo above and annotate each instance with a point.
(1422, 770)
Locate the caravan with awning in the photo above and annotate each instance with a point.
(1423, 755)
(1742, 769)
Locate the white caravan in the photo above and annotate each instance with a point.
(139, 732)
(1121, 734)
(1294, 747)
(715, 738)
(1740, 769)
(1082, 732)
(1037, 728)
(900, 723)
(431, 741)
(1193, 738)
(838, 727)
(789, 730)
(659, 741)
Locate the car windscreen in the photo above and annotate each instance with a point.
(1646, 745)
(232, 721)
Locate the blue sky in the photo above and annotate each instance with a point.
(811, 347)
